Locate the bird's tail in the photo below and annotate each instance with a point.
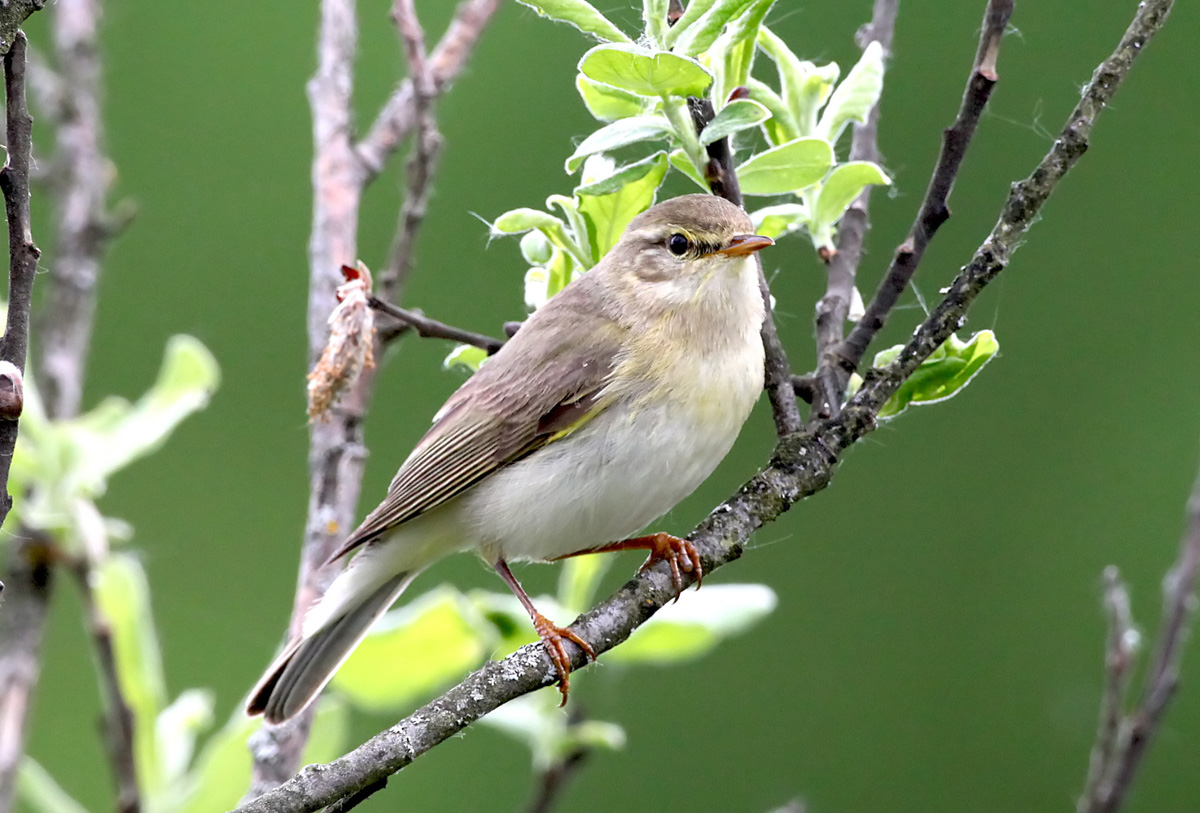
(341, 619)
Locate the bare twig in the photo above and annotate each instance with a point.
(803, 464)
(433, 329)
(341, 170)
(446, 62)
(555, 778)
(29, 573)
(118, 720)
(426, 147)
(842, 266)
(1120, 651)
(933, 212)
(777, 373)
(1123, 738)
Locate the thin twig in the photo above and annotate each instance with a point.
(398, 116)
(29, 571)
(555, 778)
(934, 212)
(1118, 663)
(432, 329)
(118, 719)
(1119, 750)
(803, 464)
(426, 147)
(842, 266)
(777, 373)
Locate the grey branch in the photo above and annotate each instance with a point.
(933, 212)
(432, 329)
(28, 572)
(12, 14)
(842, 266)
(341, 171)
(802, 465)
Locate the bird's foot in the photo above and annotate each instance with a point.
(680, 554)
(552, 637)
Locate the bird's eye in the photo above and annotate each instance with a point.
(678, 245)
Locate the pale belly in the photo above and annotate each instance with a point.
(603, 483)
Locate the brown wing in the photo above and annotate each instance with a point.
(539, 384)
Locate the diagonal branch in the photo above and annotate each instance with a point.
(803, 464)
(934, 212)
(842, 266)
(428, 328)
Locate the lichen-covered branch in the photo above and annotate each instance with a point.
(803, 464)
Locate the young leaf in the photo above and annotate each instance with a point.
(738, 45)
(176, 730)
(776, 221)
(606, 102)
(698, 36)
(619, 134)
(467, 356)
(696, 623)
(781, 127)
(805, 86)
(856, 95)
(414, 651)
(644, 72)
(535, 721)
(842, 186)
(578, 578)
(680, 161)
(692, 12)
(581, 14)
(786, 168)
(610, 204)
(516, 221)
(738, 115)
(943, 375)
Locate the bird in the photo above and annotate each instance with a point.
(612, 403)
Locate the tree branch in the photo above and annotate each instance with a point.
(12, 14)
(802, 465)
(432, 329)
(447, 61)
(777, 373)
(341, 171)
(933, 212)
(29, 574)
(1123, 739)
(842, 266)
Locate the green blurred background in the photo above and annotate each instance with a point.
(938, 641)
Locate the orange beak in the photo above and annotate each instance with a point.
(742, 244)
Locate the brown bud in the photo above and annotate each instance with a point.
(12, 396)
(739, 92)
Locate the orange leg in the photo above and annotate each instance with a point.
(680, 554)
(551, 634)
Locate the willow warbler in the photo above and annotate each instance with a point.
(612, 403)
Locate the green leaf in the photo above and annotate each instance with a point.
(943, 375)
(842, 186)
(122, 596)
(692, 12)
(580, 14)
(536, 248)
(611, 204)
(606, 102)
(738, 115)
(805, 86)
(578, 579)
(466, 355)
(654, 20)
(787, 168)
(41, 792)
(737, 47)
(619, 134)
(781, 127)
(517, 221)
(680, 161)
(644, 72)
(776, 221)
(696, 37)
(536, 721)
(695, 624)
(414, 651)
(856, 95)
(176, 730)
